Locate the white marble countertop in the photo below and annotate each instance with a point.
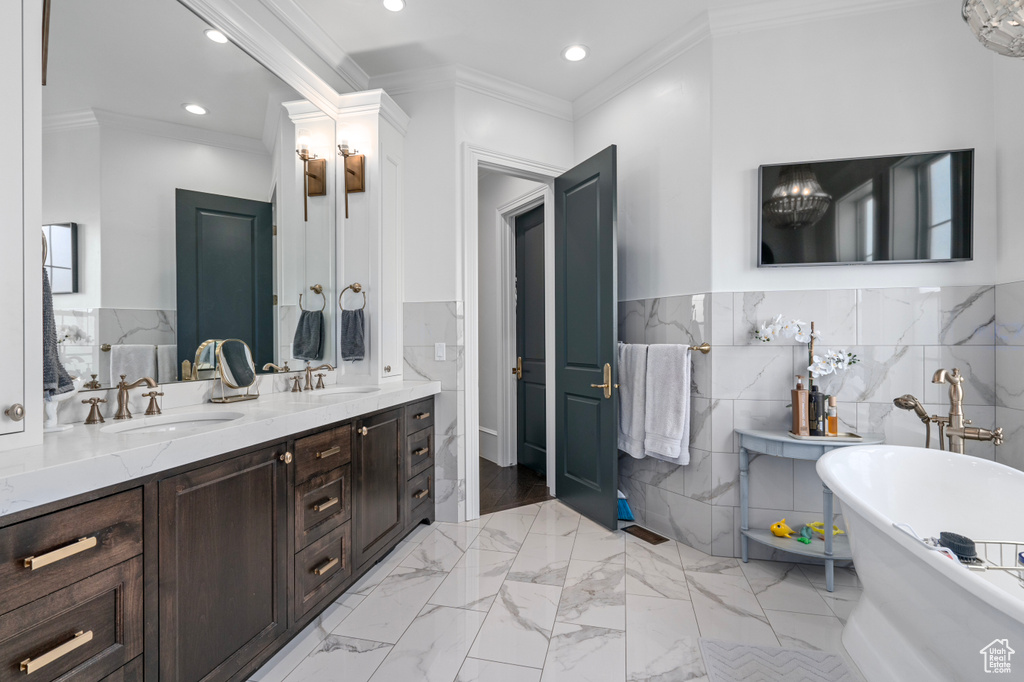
(86, 458)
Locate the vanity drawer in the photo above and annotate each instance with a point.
(321, 504)
(419, 452)
(322, 567)
(129, 673)
(419, 416)
(421, 492)
(322, 452)
(49, 552)
(82, 633)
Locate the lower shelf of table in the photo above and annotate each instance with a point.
(840, 545)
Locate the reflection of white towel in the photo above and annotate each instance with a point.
(134, 361)
(167, 363)
(668, 403)
(632, 397)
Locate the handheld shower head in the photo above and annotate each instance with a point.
(909, 402)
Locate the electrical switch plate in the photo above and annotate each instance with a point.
(439, 351)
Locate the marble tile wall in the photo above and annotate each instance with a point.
(1010, 372)
(424, 325)
(901, 335)
(84, 330)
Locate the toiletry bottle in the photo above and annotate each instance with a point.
(833, 416)
(813, 403)
(801, 426)
(821, 411)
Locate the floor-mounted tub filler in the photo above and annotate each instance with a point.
(923, 615)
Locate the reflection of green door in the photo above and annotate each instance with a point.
(531, 400)
(225, 273)
(586, 331)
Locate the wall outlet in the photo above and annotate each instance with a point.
(439, 353)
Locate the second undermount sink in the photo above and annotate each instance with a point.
(337, 391)
(170, 423)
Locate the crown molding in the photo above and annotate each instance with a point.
(72, 120)
(415, 80)
(312, 34)
(375, 101)
(176, 131)
(768, 14)
(696, 32)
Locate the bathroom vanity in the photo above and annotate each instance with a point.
(238, 536)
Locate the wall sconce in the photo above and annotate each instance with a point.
(355, 171)
(315, 172)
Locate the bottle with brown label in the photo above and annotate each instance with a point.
(801, 423)
(833, 416)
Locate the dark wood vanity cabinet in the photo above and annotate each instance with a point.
(379, 473)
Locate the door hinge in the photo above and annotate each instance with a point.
(275, 299)
(275, 230)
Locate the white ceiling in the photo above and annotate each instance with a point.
(519, 40)
(148, 57)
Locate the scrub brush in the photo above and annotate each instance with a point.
(625, 513)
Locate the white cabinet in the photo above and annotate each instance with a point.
(20, 229)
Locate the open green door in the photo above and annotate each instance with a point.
(586, 336)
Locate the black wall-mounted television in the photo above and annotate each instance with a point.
(893, 209)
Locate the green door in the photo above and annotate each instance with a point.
(531, 410)
(586, 331)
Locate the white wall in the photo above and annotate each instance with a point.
(662, 126)
(496, 190)
(1009, 103)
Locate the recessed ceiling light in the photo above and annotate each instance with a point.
(215, 35)
(394, 5)
(194, 109)
(575, 53)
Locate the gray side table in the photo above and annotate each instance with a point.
(781, 444)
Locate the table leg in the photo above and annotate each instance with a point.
(829, 563)
(744, 501)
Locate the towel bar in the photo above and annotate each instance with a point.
(357, 288)
(318, 289)
(704, 348)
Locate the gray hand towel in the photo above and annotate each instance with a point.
(133, 360)
(167, 363)
(56, 379)
(309, 336)
(632, 398)
(352, 335)
(668, 403)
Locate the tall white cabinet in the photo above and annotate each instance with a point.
(20, 229)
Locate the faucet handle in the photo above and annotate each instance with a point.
(997, 436)
(296, 386)
(95, 416)
(320, 380)
(153, 408)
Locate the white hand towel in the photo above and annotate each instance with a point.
(632, 397)
(167, 363)
(668, 403)
(134, 361)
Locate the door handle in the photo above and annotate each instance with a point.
(518, 369)
(607, 385)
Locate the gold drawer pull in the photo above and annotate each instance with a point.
(421, 415)
(30, 665)
(80, 545)
(421, 494)
(330, 452)
(326, 504)
(320, 570)
(420, 452)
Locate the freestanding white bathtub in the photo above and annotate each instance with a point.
(923, 616)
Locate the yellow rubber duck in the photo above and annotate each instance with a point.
(780, 529)
(819, 528)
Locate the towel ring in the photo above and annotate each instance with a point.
(357, 288)
(316, 288)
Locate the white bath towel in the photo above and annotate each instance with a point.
(167, 363)
(632, 397)
(134, 361)
(668, 403)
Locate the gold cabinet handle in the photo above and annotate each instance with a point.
(326, 504)
(518, 369)
(80, 545)
(420, 452)
(421, 415)
(320, 570)
(329, 452)
(286, 458)
(607, 385)
(363, 431)
(421, 494)
(30, 665)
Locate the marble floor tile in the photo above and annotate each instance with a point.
(841, 600)
(543, 559)
(783, 587)
(847, 577)
(341, 659)
(662, 640)
(504, 532)
(419, 533)
(433, 648)
(555, 519)
(475, 580)
(807, 631)
(700, 562)
(518, 625)
(479, 670)
(580, 653)
(655, 570)
(596, 543)
(727, 609)
(594, 594)
(385, 614)
(440, 550)
(376, 575)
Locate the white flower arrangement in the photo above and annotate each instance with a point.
(832, 362)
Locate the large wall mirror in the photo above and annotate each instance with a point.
(174, 155)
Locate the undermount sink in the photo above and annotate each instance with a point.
(169, 423)
(344, 390)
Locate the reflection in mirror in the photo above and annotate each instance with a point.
(235, 369)
(120, 146)
(205, 364)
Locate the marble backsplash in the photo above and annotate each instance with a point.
(1009, 398)
(901, 336)
(82, 331)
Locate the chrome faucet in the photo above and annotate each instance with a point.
(122, 395)
(309, 374)
(952, 427)
(271, 366)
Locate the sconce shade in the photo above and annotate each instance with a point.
(997, 24)
(797, 201)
